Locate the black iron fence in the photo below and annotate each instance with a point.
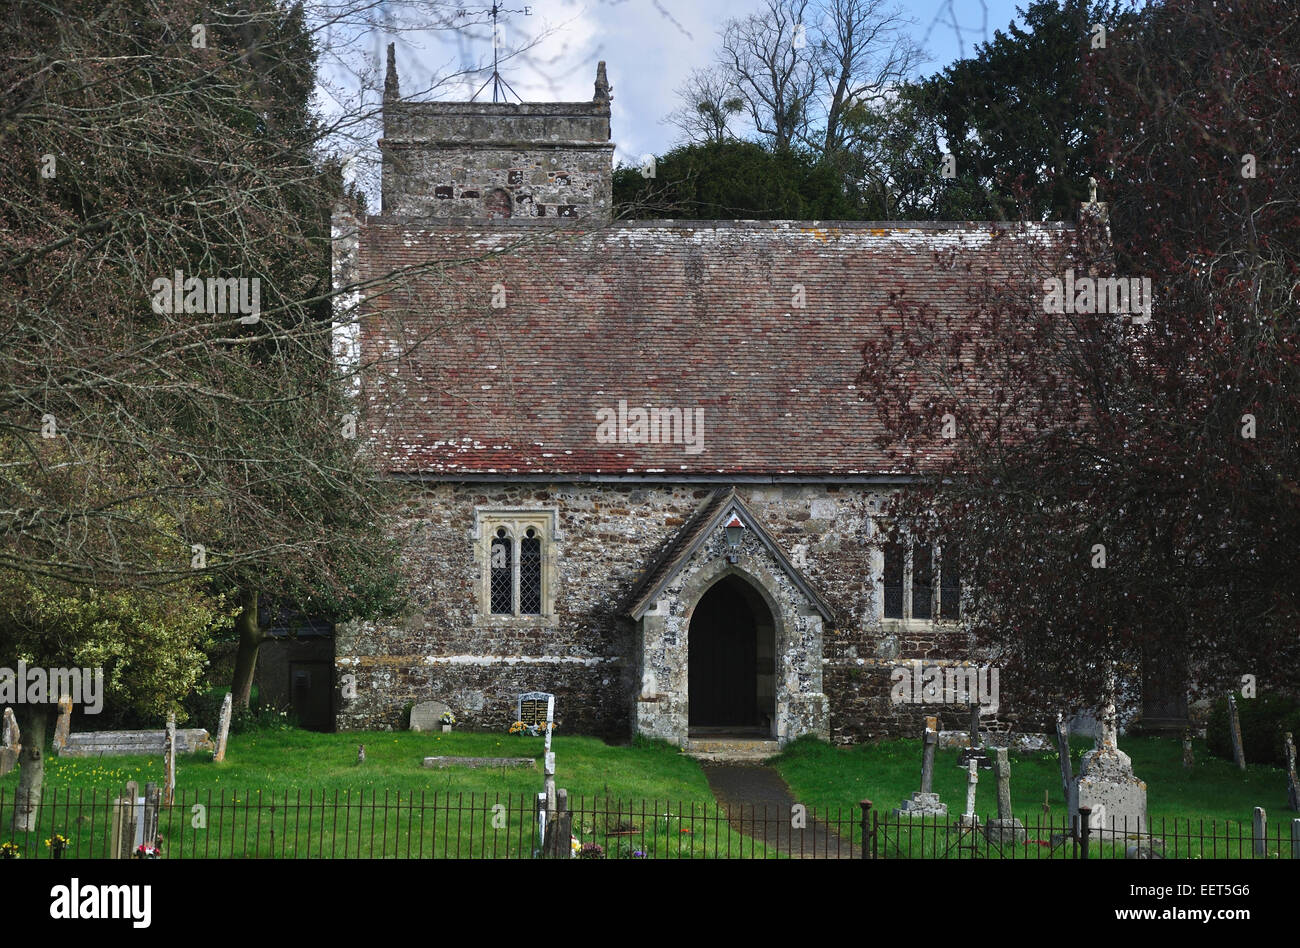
(393, 825)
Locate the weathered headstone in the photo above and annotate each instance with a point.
(1063, 754)
(9, 733)
(63, 726)
(1106, 784)
(223, 728)
(1292, 784)
(169, 761)
(1295, 839)
(150, 743)
(121, 840)
(9, 746)
(1189, 759)
(1006, 828)
(972, 781)
(1259, 832)
(149, 821)
(427, 715)
(924, 802)
(1234, 725)
(559, 828)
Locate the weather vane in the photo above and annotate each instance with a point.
(499, 86)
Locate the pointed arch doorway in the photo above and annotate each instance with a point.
(731, 678)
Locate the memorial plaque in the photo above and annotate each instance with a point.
(536, 708)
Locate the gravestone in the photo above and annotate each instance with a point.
(1006, 828)
(535, 708)
(1063, 755)
(969, 819)
(925, 802)
(1234, 726)
(126, 823)
(1259, 832)
(9, 746)
(1292, 784)
(147, 743)
(1189, 759)
(427, 715)
(223, 728)
(63, 726)
(169, 761)
(1107, 785)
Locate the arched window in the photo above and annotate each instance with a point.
(530, 573)
(497, 203)
(502, 581)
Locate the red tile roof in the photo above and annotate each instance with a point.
(694, 316)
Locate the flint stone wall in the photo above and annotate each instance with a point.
(586, 653)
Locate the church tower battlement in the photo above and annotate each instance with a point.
(478, 160)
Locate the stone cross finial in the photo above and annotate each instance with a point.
(391, 89)
(602, 84)
(1092, 189)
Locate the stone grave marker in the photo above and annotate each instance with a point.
(1107, 785)
(969, 819)
(1234, 725)
(925, 802)
(169, 761)
(535, 708)
(1189, 758)
(1006, 828)
(223, 728)
(63, 726)
(127, 822)
(1063, 755)
(427, 715)
(9, 746)
(1292, 784)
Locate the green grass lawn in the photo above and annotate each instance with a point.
(299, 793)
(1214, 795)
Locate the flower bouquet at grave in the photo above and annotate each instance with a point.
(10, 851)
(447, 719)
(145, 851)
(57, 845)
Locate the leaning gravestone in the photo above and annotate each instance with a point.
(223, 728)
(169, 761)
(427, 715)
(1006, 828)
(925, 802)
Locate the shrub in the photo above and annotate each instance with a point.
(1263, 719)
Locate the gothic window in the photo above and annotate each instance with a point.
(516, 558)
(894, 557)
(502, 574)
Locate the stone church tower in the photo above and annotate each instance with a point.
(468, 160)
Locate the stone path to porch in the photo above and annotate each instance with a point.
(759, 805)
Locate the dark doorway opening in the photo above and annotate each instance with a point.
(731, 659)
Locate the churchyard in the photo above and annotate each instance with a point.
(298, 794)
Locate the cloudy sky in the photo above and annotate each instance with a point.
(649, 46)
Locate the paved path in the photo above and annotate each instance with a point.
(758, 803)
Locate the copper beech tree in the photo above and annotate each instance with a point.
(1124, 488)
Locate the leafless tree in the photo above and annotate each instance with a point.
(708, 101)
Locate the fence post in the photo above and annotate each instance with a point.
(1085, 816)
(866, 829)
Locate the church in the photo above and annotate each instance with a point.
(635, 470)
